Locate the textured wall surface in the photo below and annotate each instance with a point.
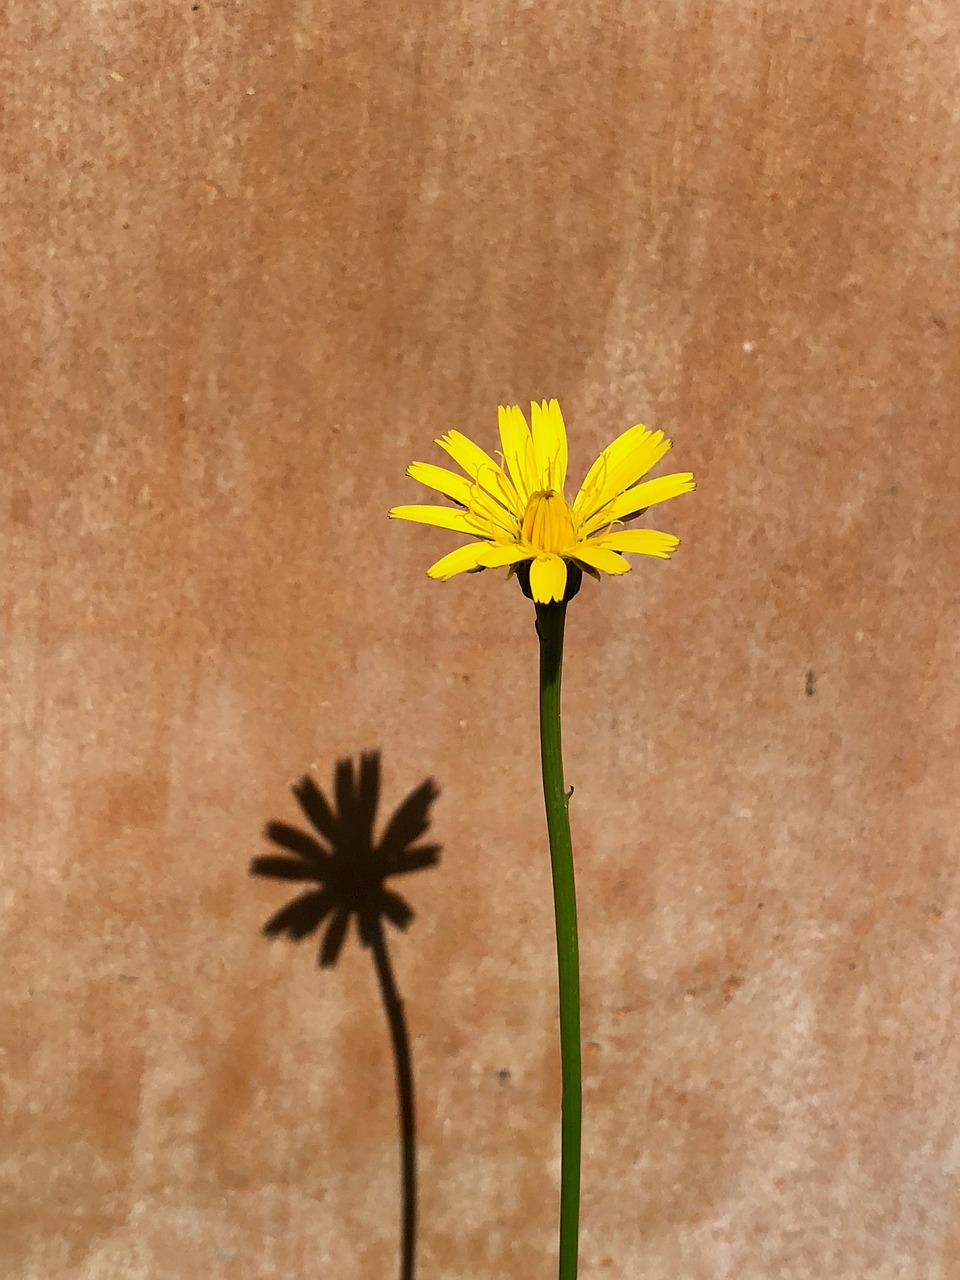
(256, 255)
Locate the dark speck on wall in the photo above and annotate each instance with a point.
(811, 685)
(503, 1076)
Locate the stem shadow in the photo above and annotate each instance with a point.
(348, 869)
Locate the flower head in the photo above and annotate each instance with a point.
(517, 512)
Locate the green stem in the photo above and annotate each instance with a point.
(550, 619)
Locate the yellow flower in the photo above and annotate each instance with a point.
(517, 511)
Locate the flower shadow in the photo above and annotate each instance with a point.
(348, 869)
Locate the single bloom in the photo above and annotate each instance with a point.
(517, 512)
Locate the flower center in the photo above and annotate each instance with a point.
(547, 525)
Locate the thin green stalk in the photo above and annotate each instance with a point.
(550, 620)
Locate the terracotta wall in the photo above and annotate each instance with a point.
(256, 255)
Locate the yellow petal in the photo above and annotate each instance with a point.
(460, 561)
(549, 444)
(607, 561)
(645, 542)
(489, 514)
(633, 501)
(548, 579)
(517, 450)
(620, 465)
(496, 557)
(442, 517)
(480, 467)
(444, 481)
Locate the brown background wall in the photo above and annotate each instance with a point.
(256, 256)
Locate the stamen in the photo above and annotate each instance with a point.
(484, 507)
(505, 491)
(553, 469)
